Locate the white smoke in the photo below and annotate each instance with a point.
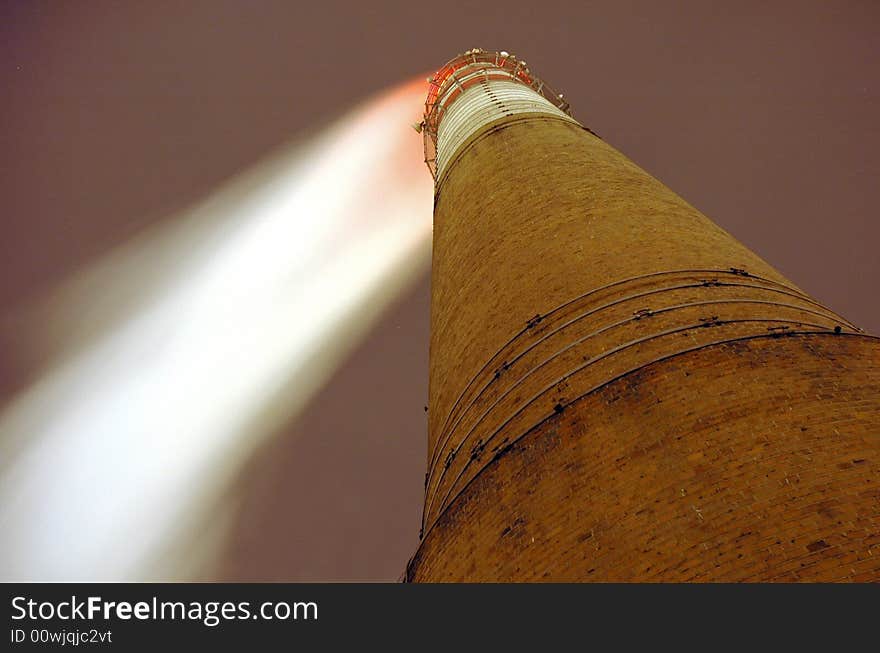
(200, 337)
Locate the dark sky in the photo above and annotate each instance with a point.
(763, 115)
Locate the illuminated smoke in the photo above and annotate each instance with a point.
(202, 337)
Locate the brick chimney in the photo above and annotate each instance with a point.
(619, 389)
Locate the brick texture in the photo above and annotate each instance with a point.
(620, 390)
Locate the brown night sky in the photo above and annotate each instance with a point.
(762, 115)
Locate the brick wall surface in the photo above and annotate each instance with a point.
(620, 390)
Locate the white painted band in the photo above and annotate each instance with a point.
(482, 103)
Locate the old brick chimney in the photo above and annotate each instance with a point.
(619, 389)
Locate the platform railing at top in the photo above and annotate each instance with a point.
(464, 71)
